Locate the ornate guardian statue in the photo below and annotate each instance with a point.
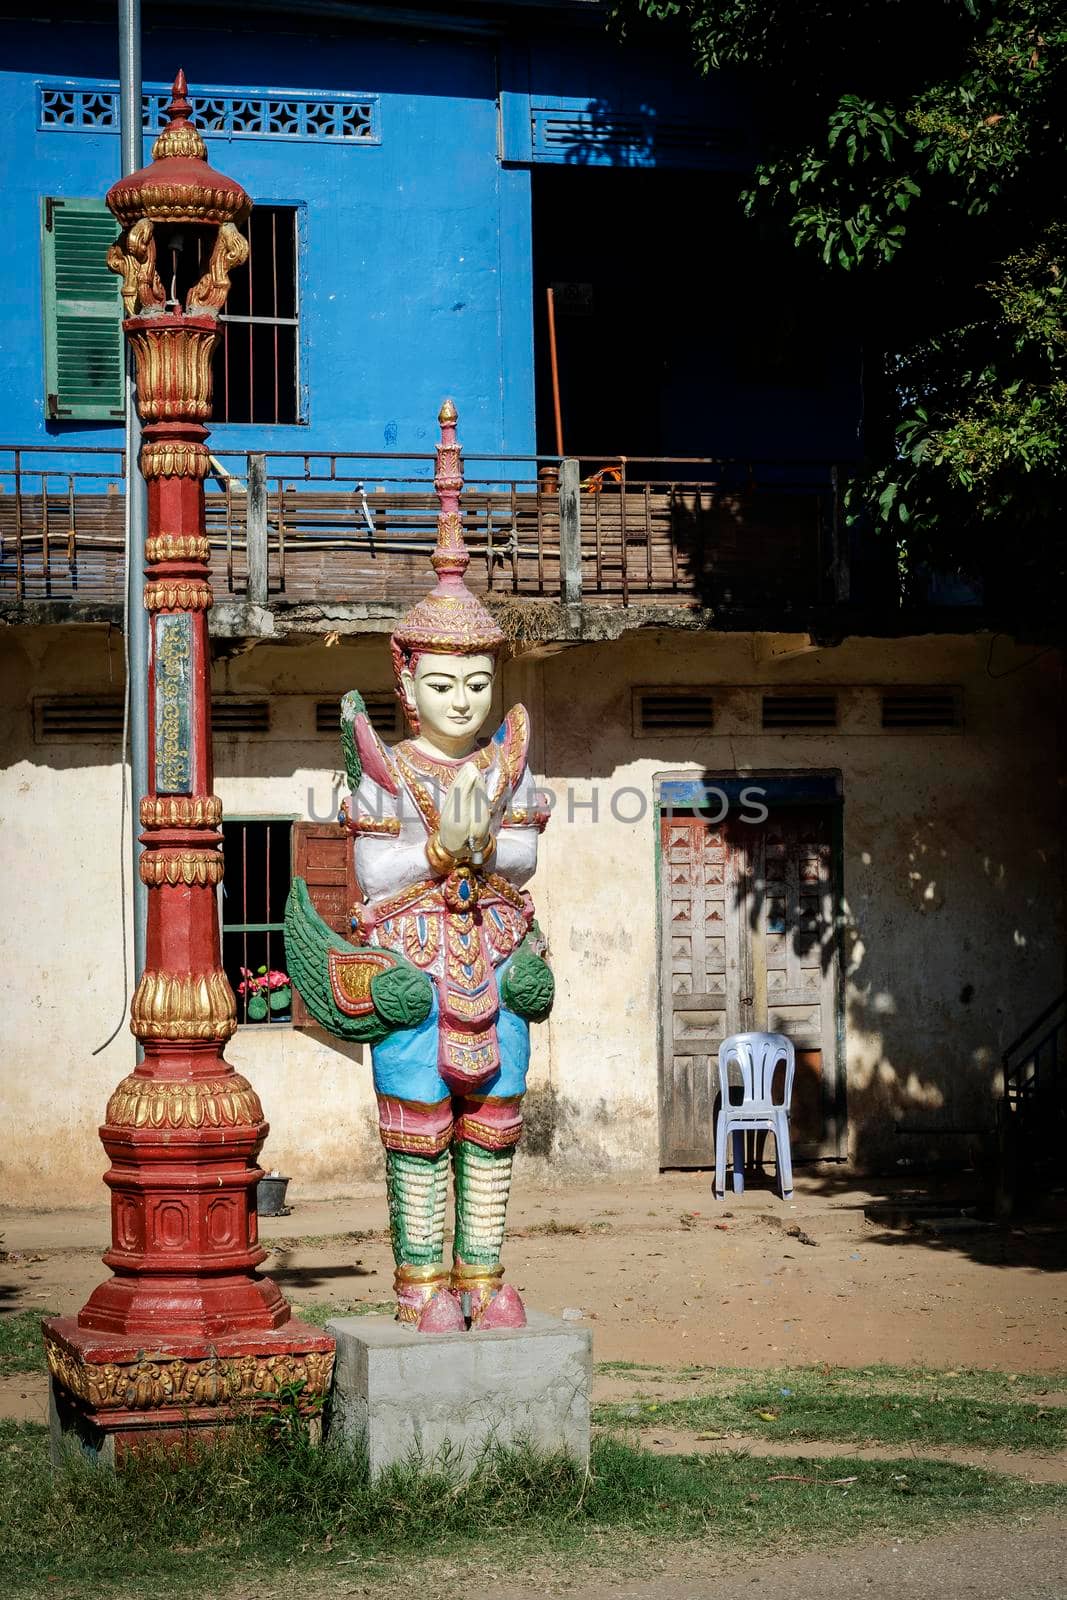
(448, 969)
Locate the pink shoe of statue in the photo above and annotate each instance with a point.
(442, 1314)
(505, 1310)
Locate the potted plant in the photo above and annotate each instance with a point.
(266, 993)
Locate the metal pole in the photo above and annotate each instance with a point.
(553, 356)
(132, 140)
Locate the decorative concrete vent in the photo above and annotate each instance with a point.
(919, 709)
(672, 711)
(92, 105)
(566, 135)
(383, 710)
(240, 716)
(799, 713)
(78, 717)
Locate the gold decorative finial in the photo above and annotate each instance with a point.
(450, 620)
(179, 97)
(179, 138)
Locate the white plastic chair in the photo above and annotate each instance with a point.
(756, 1055)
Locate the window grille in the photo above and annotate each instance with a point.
(221, 113)
(257, 360)
(254, 891)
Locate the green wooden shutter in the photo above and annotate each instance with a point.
(83, 352)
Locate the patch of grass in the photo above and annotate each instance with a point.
(872, 1405)
(608, 1367)
(320, 1315)
(239, 1512)
(21, 1349)
(978, 1383)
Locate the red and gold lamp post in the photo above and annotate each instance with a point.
(186, 1332)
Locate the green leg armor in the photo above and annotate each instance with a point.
(483, 1182)
(417, 1188)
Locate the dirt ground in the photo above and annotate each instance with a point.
(1024, 1562)
(845, 1272)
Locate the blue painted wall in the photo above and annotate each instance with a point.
(417, 252)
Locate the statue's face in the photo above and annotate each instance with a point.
(452, 695)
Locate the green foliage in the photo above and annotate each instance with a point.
(913, 147)
(263, 1505)
(403, 997)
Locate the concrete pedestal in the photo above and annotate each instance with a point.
(401, 1395)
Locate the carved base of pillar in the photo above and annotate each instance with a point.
(113, 1395)
(207, 1303)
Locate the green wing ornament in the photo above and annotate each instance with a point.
(357, 992)
(353, 705)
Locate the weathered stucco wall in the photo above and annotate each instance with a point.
(952, 889)
(951, 877)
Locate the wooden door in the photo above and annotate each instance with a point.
(702, 980)
(747, 942)
(323, 856)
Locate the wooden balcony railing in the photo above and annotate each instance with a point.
(345, 526)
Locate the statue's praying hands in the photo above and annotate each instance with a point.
(465, 828)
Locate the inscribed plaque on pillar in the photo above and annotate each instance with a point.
(173, 646)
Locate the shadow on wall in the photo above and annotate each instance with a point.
(923, 1072)
(603, 135)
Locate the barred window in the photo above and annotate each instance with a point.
(254, 892)
(257, 362)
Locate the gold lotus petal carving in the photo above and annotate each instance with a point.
(181, 141)
(181, 811)
(176, 547)
(150, 1382)
(173, 372)
(178, 594)
(190, 1005)
(229, 1102)
(178, 202)
(174, 459)
(195, 868)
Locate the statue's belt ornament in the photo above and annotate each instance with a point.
(350, 979)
